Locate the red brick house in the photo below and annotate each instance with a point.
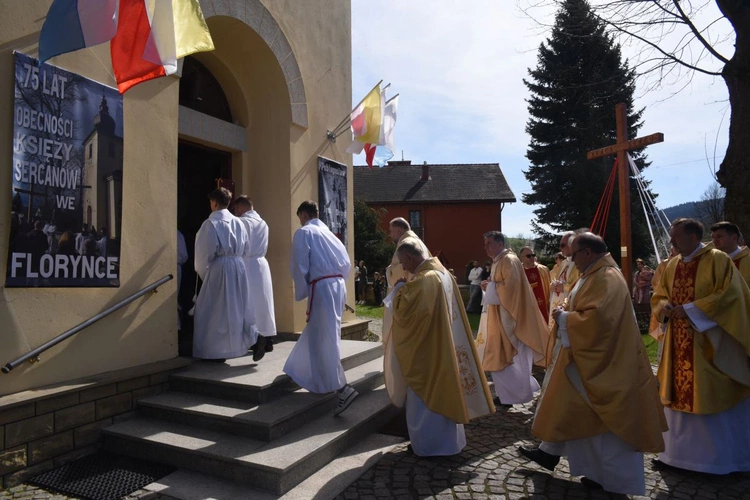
(448, 206)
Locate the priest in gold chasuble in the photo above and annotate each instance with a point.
(725, 237)
(437, 375)
(567, 276)
(514, 336)
(600, 404)
(704, 371)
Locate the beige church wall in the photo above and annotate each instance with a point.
(279, 152)
(145, 330)
(319, 32)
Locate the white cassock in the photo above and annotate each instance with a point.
(259, 273)
(319, 266)
(604, 458)
(224, 325)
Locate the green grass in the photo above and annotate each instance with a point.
(474, 322)
(652, 347)
(369, 311)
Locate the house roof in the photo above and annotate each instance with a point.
(401, 182)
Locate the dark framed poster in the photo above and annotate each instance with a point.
(332, 196)
(66, 214)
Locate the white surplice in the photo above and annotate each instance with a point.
(556, 299)
(604, 458)
(319, 266)
(224, 325)
(431, 434)
(259, 273)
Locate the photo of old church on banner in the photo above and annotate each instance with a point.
(67, 180)
(332, 196)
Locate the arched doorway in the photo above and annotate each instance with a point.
(198, 169)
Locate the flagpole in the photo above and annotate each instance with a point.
(386, 103)
(331, 134)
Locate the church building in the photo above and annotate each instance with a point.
(252, 114)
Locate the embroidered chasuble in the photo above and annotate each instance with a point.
(539, 280)
(704, 370)
(434, 347)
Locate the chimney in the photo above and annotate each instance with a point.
(425, 172)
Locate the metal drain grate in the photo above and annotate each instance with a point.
(102, 476)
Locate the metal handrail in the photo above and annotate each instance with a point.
(31, 355)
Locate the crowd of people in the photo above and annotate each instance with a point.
(600, 404)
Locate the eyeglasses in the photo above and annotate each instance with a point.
(530, 256)
(573, 255)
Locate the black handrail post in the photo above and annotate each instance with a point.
(36, 352)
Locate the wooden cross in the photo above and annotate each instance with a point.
(622, 146)
(31, 194)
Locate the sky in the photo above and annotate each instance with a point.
(459, 67)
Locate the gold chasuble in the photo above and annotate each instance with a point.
(742, 261)
(517, 314)
(603, 382)
(707, 372)
(539, 279)
(395, 272)
(434, 345)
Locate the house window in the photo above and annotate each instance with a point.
(415, 221)
(91, 150)
(415, 218)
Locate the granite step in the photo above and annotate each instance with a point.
(275, 466)
(243, 379)
(266, 421)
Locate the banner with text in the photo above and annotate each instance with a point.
(332, 196)
(67, 180)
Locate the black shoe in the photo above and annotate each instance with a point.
(259, 349)
(218, 360)
(269, 344)
(499, 405)
(540, 457)
(591, 484)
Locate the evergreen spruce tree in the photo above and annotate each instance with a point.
(579, 79)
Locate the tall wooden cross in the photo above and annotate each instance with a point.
(622, 146)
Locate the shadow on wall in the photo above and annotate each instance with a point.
(104, 336)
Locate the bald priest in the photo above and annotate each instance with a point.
(437, 375)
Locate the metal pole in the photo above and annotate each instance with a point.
(36, 352)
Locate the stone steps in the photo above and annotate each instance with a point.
(249, 423)
(266, 421)
(276, 466)
(243, 379)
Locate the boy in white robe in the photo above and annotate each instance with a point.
(258, 274)
(224, 325)
(319, 266)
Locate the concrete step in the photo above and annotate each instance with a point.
(265, 422)
(327, 483)
(243, 379)
(276, 466)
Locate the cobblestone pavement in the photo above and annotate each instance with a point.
(490, 468)
(29, 492)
